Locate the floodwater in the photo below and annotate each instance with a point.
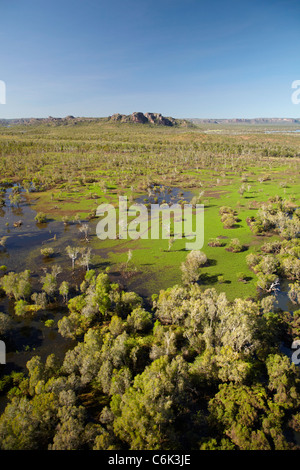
(30, 336)
(287, 131)
(282, 299)
(159, 194)
(25, 238)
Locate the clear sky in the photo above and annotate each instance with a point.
(181, 58)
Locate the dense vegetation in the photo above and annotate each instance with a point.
(166, 349)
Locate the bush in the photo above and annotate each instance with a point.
(215, 242)
(228, 221)
(21, 307)
(41, 217)
(47, 252)
(235, 246)
(252, 260)
(225, 210)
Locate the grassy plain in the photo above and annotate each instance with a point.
(76, 167)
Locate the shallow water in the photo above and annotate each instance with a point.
(29, 336)
(165, 194)
(282, 298)
(287, 131)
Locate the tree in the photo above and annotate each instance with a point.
(21, 307)
(17, 285)
(85, 258)
(147, 412)
(64, 290)
(41, 218)
(5, 323)
(73, 254)
(294, 292)
(236, 411)
(70, 429)
(283, 380)
(49, 281)
(139, 320)
(190, 267)
(47, 252)
(40, 299)
(28, 424)
(84, 228)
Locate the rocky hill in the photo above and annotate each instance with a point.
(149, 118)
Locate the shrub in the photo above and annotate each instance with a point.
(215, 242)
(252, 260)
(235, 245)
(40, 217)
(267, 265)
(47, 252)
(225, 210)
(228, 221)
(21, 307)
(271, 247)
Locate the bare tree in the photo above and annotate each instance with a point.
(84, 228)
(85, 258)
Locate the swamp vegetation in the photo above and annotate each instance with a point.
(140, 344)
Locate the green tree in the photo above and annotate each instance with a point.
(147, 412)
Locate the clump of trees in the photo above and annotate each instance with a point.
(279, 259)
(279, 217)
(196, 362)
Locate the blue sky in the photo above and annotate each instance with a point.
(182, 58)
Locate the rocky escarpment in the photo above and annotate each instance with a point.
(139, 118)
(148, 118)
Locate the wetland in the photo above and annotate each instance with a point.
(88, 323)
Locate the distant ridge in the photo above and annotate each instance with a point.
(136, 117)
(246, 121)
(143, 118)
